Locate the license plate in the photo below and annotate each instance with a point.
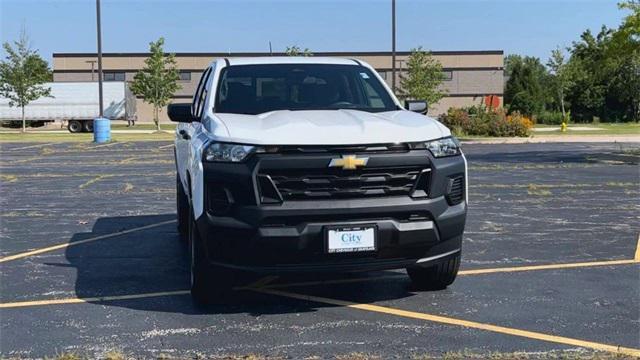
(351, 239)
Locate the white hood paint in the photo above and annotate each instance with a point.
(326, 127)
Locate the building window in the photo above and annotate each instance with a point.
(447, 75)
(383, 74)
(113, 76)
(185, 75)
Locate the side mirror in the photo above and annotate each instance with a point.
(419, 106)
(180, 112)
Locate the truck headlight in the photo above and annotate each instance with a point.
(448, 146)
(224, 152)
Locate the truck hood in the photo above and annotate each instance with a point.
(326, 127)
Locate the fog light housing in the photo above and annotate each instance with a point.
(219, 200)
(455, 189)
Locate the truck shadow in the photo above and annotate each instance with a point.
(155, 260)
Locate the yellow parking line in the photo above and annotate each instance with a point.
(546, 267)
(262, 284)
(461, 273)
(258, 283)
(637, 256)
(76, 300)
(69, 244)
(105, 145)
(90, 299)
(458, 322)
(366, 307)
(31, 146)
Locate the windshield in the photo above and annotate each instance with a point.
(256, 89)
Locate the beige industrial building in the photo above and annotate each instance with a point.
(469, 76)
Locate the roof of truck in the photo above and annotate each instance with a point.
(291, 60)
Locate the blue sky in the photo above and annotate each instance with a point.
(522, 27)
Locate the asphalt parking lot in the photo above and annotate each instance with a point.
(90, 262)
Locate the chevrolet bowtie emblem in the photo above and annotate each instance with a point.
(348, 162)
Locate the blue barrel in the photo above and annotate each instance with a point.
(101, 130)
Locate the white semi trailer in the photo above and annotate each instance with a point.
(77, 104)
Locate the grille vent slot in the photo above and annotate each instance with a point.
(455, 190)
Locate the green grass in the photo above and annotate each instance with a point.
(607, 129)
(43, 136)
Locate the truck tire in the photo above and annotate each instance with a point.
(436, 277)
(74, 126)
(182, 210)
(87, 126)
(209, 284)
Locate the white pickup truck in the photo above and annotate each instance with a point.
(291, 164)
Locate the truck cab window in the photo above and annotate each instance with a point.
(256, 89)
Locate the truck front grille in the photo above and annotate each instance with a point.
(302, 184)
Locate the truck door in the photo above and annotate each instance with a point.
(185, 131)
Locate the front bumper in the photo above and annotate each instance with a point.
(290, 237)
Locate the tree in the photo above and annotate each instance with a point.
(297, 51)
(560, 77)
(157, 81)
(603, 79)
(423, 78)
(605, 70)
(600, 79)
(525, 88)
(627, 38)
(625, 48)
(510, 61)
(625, 86)
(22, 74)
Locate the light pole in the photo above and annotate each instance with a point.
(99, 58)
(393, 46)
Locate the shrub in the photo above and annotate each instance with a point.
(517, 125)
(458, 120)
(550, 118)
(477, 121)
(478, 126)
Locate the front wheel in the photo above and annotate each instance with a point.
(436, 277)
(209, 284)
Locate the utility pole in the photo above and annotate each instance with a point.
(393, 46)
(99, 58)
